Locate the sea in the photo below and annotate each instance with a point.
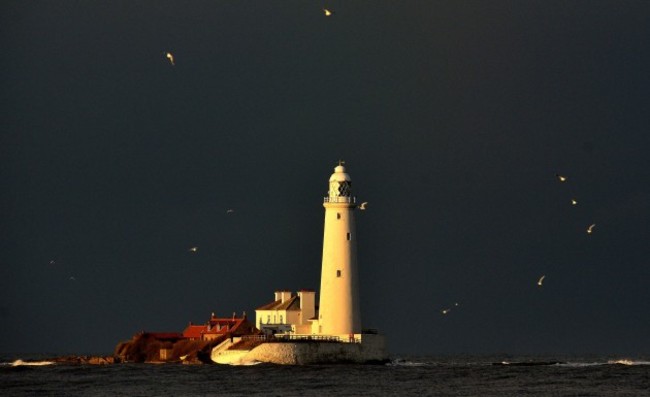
(32, 375)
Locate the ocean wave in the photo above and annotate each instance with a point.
(243, 363)
(627, 362)
(581, 364)
(400, 362)
(528, 363)
(564, 362)
(608, 362)
(20, 362)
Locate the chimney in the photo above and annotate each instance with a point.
(307, 304)
(282, 296)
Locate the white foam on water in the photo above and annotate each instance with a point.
(406, 363)
(244, 363)
(579, 365)
(627, 362)
(609, 362)
(20, 362)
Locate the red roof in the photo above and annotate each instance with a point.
(194, 331)
(214, 326)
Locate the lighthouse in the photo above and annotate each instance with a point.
(295, 331)
(339, 290)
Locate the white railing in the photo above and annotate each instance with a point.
(279, 338)
(340, 199)
(293, 338)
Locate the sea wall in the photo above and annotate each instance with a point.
(371, 349)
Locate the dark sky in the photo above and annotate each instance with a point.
(453, 117)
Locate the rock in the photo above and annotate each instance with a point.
(89, 360)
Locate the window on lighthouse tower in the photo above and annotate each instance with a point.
(338, 273)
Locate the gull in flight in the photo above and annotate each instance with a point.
(590, 229)
(193, 249)
(327, 12)
(363, 205)
(72, 278)
(445, 311)
(171, 58)
(574, 202)
(541, 280)
(230, 211)
(561, 178)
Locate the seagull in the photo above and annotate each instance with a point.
(363, 205)
(52, 262)
(590, 229)
(193, 249)
(327, 12)
(230, 211)
(574, 201)
(171, 58)
(561, 178)
(541, 280)
(72, 278)
(445, 311)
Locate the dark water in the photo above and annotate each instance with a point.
(423, 376)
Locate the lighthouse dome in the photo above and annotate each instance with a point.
(340, 174)
(340, 184)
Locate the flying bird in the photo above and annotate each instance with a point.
(327, 12)
(541, 280)
(193, 249)
(446, 311)
(590, 229)
(574, 202)
(170, 56)
(561, 178)
(363, 205)
(72, 278)
(230, 211)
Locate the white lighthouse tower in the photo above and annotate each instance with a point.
(339, 290)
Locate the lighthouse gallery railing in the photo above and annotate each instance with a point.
(340, 199)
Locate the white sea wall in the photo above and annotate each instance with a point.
(237, 357)
(371, 349)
